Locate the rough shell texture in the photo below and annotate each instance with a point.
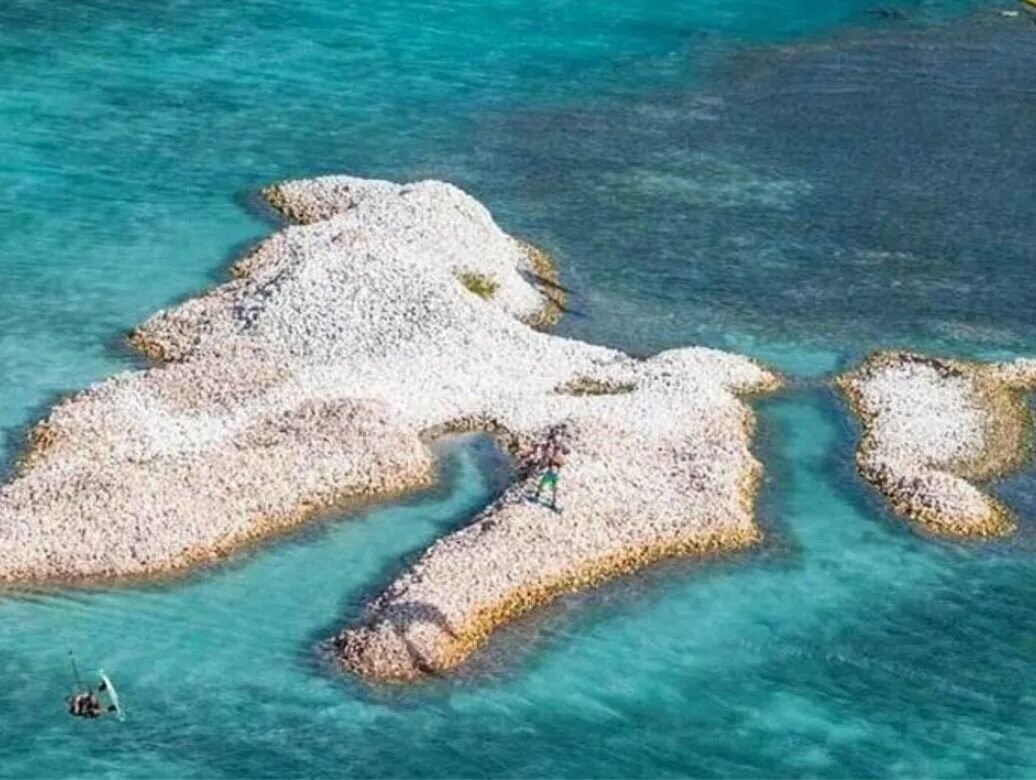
(933, 426)
(315, 373)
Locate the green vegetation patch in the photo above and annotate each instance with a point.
(584, 385)
(480, 284)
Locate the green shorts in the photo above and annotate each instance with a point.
(549, 479)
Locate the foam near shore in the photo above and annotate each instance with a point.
(317, 374)
(933, 427)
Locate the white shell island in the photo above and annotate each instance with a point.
(935, 429)
(387, 315)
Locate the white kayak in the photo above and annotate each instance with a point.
(109, 697)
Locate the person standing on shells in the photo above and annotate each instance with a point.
(530, 460)
(551, 461)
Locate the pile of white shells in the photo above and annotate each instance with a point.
(659, 471)
(310, 378)
(931, 425)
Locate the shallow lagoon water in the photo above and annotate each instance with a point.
(705, 173)
(845, 645)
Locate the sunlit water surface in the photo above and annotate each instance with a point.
(803, 182)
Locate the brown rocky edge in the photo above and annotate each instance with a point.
(386, 652)
(548, 281)
(932, 427)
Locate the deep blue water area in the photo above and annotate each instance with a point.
(800, 181)
(830, 197)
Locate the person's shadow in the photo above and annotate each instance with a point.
(403, 615)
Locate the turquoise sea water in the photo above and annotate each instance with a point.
(802, 181)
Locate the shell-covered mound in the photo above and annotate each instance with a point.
(393, 313)
(658, 470)
(932, 427)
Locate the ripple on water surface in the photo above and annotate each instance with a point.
(837, 195)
